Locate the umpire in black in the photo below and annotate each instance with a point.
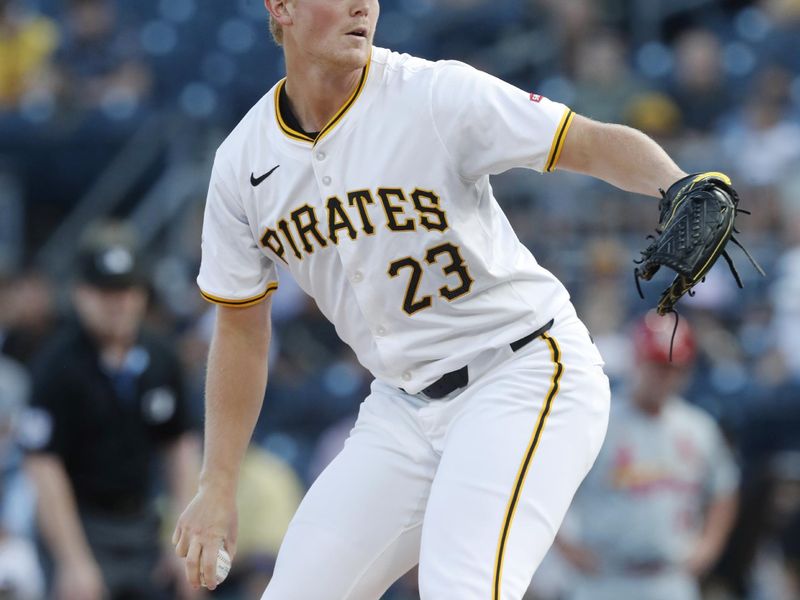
(108, 402)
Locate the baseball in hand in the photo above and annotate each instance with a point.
(223, 567)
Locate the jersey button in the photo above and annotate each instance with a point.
(406, 376)
(321, 155)
(326, 180)
(381, 330)
(357, 276)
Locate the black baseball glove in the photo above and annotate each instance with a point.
(696, 223)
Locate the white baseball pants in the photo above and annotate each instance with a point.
(472, 487)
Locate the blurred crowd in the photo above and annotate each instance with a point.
(113, 109)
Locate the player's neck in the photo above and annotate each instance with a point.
(648, 404)
(316, 92)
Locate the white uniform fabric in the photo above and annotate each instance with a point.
(388, 220)
(473, 487)
(403, 172)
(641, 508)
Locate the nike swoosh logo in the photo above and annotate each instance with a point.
(254, 181)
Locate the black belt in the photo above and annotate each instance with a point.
(450, 382)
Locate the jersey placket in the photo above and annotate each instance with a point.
(351, 253)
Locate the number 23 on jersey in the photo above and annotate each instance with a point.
(456, 267)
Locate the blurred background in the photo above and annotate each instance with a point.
(113, 110)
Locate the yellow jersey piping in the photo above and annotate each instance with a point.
(303, 137)
(244, 302)
(292, 133)
(524, 467)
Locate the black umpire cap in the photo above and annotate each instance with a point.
(108, 257)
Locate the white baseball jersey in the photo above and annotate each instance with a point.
(393, 230)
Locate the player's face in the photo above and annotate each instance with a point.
(337, 32)
(111, 316)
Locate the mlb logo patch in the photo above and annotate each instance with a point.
(536, 97)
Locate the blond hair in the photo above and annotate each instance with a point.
(276, 30)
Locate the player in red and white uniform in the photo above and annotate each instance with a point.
(655, 511)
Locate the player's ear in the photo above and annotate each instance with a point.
(279, 11)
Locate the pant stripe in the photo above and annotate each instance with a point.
(523, 469)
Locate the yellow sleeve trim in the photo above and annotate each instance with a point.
(271, 287)
(558, 141)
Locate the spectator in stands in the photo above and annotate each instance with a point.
(791, 550)
(781, 44)
(107, 402)
(762, 559)
(763, 144)
(785, 290)
(27, 43)
(604, 84)
(603, 304)
(699, 87)
(100, 62)
(29, 314)
(655, 511)
(574, 21)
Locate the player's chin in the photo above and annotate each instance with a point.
(355, 51)
(348, 61)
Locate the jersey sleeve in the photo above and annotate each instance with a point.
(488, 126)
(233, 270)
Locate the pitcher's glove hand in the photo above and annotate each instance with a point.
(696, 223)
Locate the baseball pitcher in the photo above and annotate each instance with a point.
(366, 174)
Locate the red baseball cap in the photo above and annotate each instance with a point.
(652, 337)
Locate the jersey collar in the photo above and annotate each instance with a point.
(301, 135)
